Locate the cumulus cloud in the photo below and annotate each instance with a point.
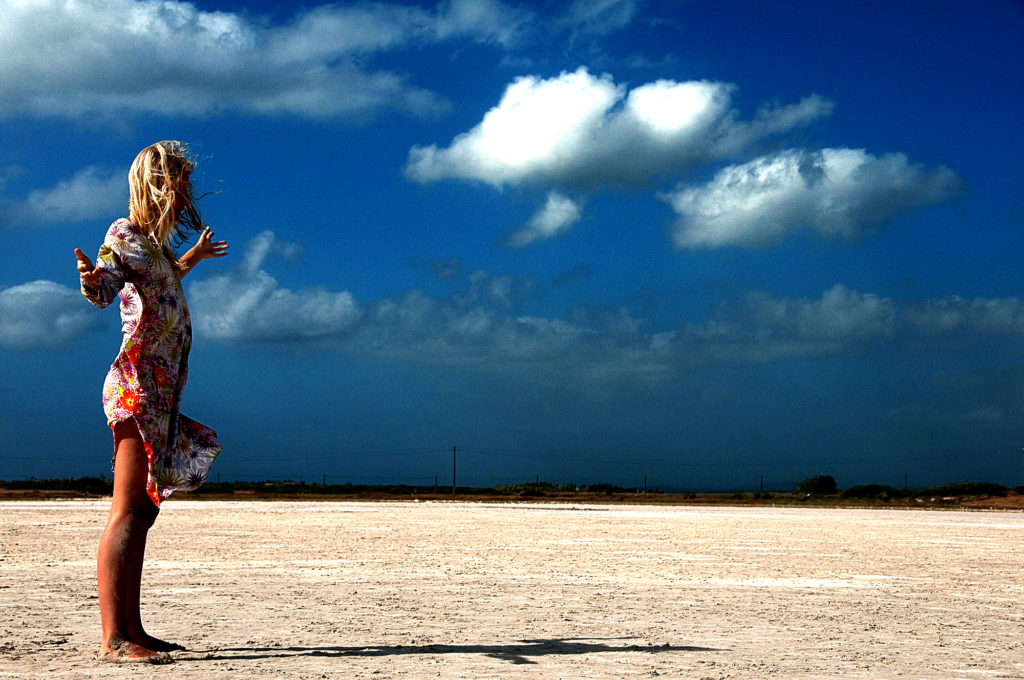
(586, 131)
(486, 328)
(841, 320)
(764, 329)
(484, 325)
(248, 305)
(141, 56)
(502, 291)
(89, 193)
(954, 314)
(486, 337)
(474, 327)
(558, 215)
(839, 193)
(43, 315)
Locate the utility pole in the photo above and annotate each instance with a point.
(453, 472)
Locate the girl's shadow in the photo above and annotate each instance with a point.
(519, 652)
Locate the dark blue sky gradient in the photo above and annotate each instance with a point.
(394, 321)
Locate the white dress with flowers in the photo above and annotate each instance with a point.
(147, 377)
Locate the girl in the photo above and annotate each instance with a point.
(156, 449)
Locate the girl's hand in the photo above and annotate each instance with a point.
(89, 274)
(205, 247)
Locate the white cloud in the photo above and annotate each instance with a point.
(483, 21)
(582, 130)
(537, 129)
(89, 193)
(502, 291)
(765, 329)
(979, 315)
(327, 31)
(558, 215)
(112, 57)
(43, 315)
(473, 328)
(839, 193)
(597, 17)
(261, 247)
(484, 336)
(485, 328)
(841, 315)
(248, 305)
(479, 328)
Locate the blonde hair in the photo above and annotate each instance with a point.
(155, 183)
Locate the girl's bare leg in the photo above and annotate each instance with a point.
(135, 631)
(121, 553)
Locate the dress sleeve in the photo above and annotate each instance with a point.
(122, 258)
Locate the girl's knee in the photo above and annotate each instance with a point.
(132, 522)
(147, 516)
(134, 507)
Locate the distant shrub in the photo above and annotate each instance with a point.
(871, 491)
(532, 489)
(89, 485)
(820, 485)
(966, 489)
(606, 488)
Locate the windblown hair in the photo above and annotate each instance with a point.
(155, 184)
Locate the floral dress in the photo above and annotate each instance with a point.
(149, 373)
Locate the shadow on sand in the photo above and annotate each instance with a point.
(519, 652)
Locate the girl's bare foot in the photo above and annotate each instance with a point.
(122, 651)
(158, 645)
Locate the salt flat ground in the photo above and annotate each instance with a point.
(459, 590)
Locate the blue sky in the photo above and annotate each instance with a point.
(701, 242)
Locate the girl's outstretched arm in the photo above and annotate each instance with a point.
(205, 247)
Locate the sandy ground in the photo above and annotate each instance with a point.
(455, 590)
